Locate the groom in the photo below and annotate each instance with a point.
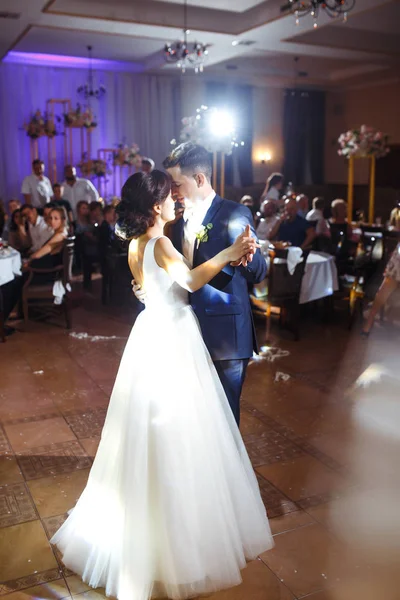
(210, 224)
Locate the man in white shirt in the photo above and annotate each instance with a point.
(269, 219)
(78, 188)
(317, 214)
(39, 231)
(36, 188)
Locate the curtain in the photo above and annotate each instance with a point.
(304, 136)
(144, 109)
(237, 99)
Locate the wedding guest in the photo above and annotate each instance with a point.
(50, 254)
(247, 201)
(36, 188)
(46, 213)
(3, 218)
(59, 200)
(38, 229)
(292, 228)
(82, 224)
(18, 237)
(90, 243)
(148, 165)
(303, 205)
(395, 218)
(13, 205)
(317, 214)
(339, 216)
(273, 188)
(390, 283)
(77, 188)
(269, 219)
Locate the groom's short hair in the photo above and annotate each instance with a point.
(191, 158)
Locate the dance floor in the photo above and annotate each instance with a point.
(321, 421)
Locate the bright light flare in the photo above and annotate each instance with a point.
(221, 123)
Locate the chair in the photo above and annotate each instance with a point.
(283, 292)
(41, 295)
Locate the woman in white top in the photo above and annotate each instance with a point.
(273, 188)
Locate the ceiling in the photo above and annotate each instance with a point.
(364, 51)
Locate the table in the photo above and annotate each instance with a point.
(10, 284)
(10, 265)
(319, 281)
(320, 277)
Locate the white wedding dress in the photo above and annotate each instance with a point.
(172, 506)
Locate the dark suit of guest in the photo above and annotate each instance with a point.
(222, 306)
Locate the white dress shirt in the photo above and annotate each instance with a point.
(194, 218)
(82, 189)
(39, 189)
(40, 233)
(265, 227)
(322, 228)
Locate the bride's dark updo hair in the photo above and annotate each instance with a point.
(141, 192)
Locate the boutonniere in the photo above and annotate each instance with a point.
(202, 234)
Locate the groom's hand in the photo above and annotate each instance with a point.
(245, 260)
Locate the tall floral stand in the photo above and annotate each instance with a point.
(51, 141)
(350, 188)
(221, 190)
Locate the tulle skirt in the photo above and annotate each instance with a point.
(172, 507)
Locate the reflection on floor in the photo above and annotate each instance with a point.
(324, 445)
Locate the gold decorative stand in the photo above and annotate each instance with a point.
(350, 188)
(51, 141)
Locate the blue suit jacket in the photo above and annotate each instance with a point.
(222, 306)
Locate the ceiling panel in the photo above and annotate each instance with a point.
(73, 43)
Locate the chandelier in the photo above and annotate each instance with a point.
(88, 91)
(186, 54)
(333, 8)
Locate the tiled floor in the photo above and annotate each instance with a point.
(325, 450)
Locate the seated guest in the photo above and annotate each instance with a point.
(303, 205)
(36, 188)
(3, 217)
(59, 200)
(90, 243)
(50, 254)
(249, 202)
(317, 215)
(82, 224)
(77, 188)
(38, 229)
(293, 228)
(18, 237)
(269, 218)
(13, 204)
(395, 218)
(47, 212)
(107, 227)
(96, 213)
(148, 164)
(339, 216)
(272, 188)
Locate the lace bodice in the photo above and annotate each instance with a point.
(161, 290)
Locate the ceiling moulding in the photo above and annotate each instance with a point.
(71, 62)
(163, 14)
(372, 84)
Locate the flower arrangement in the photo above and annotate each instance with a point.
(36, 126)
(80, 118)
(365, 141)
(202, 129)
(50, 128)
(126, 155)
(93, 167)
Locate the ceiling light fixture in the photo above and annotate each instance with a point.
(334, 8)
(88, 91)
(186, 54)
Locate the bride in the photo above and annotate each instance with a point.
(172, 506)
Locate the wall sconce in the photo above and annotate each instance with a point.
(265, 157)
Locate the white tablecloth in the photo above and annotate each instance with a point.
(320, 278)
(10, 265)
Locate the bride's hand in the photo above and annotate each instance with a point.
(138, 291)
(243, 248)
